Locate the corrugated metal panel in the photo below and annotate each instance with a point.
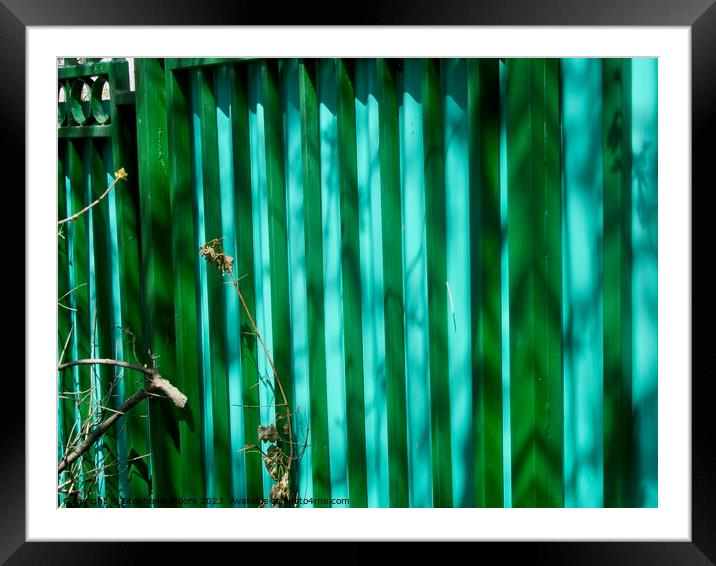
(452, 262)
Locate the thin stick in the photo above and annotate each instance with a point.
(71, 290)
(107, 362)
(117, 177)
(62, 355)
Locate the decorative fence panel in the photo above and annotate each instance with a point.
(453, 264)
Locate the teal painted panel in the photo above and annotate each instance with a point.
(203, 298)
(116, 320)
(457, 285)
(617, 281)
(644, 141)
(297, 277)
(332, 280)
(371, 275)
(225, 151)
(415, 284)
(582, 323)
(261, 274)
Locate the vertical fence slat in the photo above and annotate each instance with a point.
(391, 219)
(582, 289)
(435, 223)
(350, 269)
(202, 271)
(535, 281)
(257, 109)
(157, 289)
(118, 351)
(130, 281)
(244, 262)
(280, 309)
(79, 237)
(206, 107)
(103, 301)
(224, 83)
(417, 371)
(644, 142)
(332, 281)
(98, 374)
(184, 263)
(308, 106)
(297, 278)
(454, 74)
(367, 130)
(618, 418)
(65, 328)
(126, 202)
(485, 278)
(72, 377)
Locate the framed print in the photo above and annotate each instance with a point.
(437, 279)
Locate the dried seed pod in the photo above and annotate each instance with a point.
(268, 433)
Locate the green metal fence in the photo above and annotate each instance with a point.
(453, 263)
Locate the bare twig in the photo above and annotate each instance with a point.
(153, 383)
(72, 290)
(118, 176)
(106, 362)
(69, 335)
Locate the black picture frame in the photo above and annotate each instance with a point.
(699, 15)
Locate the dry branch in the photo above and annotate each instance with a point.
(275, 459)
(118, 175)
(154, 383)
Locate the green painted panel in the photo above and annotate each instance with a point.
(65, 327)
(130, 287)
(206, 106)
(434, 163)
(618, 416)
(534, 186)
(351, 291)
(224, 83)
(278, 261)
(184, 263)
(261, 273)
(393, 284)
(202, 271)
(308, 106)
(331, 219)
(78, 234)
(67, 418)
(297, 276)
(485, 278)
(244, 263)
(104, 347)
(157, 272)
